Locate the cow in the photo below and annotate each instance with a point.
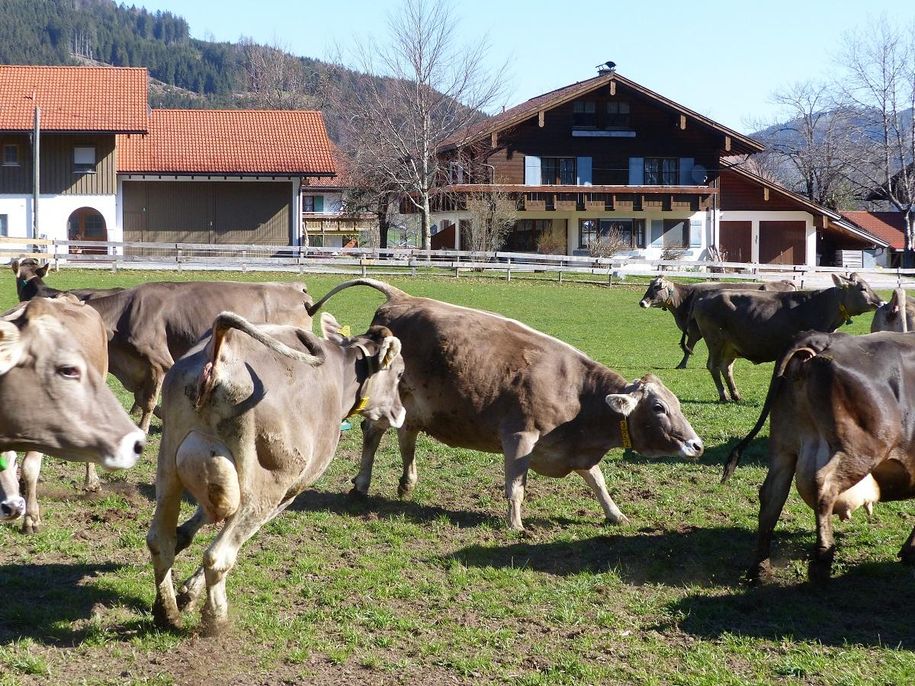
(481, 381)
(251, 418)
(153, 324)
(53, 395)
(30, 283)
(761, 326)
(888, 316)
(677, 298)
(841, 426)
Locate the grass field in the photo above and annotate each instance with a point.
(435, 589)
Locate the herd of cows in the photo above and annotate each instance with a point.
(231, 390)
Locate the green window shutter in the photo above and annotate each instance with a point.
(319, 203)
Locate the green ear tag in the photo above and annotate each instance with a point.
(3, 463)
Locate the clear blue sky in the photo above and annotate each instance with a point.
(722, 59)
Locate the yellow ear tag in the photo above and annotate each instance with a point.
(345, 331)
(363, 403)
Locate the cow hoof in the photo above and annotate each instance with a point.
(185, 599)
(907, 555)
(356, 494)
(30, 527)
(93, 487)
(213, 626)
(819, 571)
(405, 490)
(759, 573)
(164, 619)
(618, 521)
(682, 365)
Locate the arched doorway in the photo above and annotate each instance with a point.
(87, 224)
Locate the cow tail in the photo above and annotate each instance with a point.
(229, 320)
(775, 386)
(389, 291)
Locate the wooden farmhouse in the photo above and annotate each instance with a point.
(112, 169)
(609, 155)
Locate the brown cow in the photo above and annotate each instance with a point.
(842, 427)
(53, 395)
(888, 316)
(478, 380)
(761, 326)
(678, 298)
(153, 324)
(246, 430)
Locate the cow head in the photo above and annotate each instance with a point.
(856, 295)
(29, 277)
(379, 367)
(894, 315)
(659, 293)
(12, 505)
(652, 418)
(52, 399)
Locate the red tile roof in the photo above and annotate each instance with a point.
(283, 142)
(109, 99)
(890, 226)
(740, 143)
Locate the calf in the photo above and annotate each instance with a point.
(896, 315)
(478, 380)
(53, 396)
(678, 298)
(842, 427)
(251, 418)
(761, 326)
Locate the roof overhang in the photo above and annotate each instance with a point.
(637, 190)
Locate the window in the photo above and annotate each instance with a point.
(558, 170)
(84, 159)
(10, 155)
(630, 231)
(312, 203)
(584, 114)
(455, 172)
(4, 225)
(525, 237)
(617, 115)
(676, 233)
(662, 171)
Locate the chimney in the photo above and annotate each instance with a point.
(607, 67)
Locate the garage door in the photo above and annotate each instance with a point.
(782, 242)
(734, 241)
(207, 212)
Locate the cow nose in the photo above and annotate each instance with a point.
(12, 508)
(693, 447)
(643, 303)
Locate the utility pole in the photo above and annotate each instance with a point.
(36, 156)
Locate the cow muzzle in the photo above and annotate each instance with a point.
(128, 451)
(644, 303)
(692, 447)
(12, 508)
(398, 421)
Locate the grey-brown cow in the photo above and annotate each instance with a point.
(888, 316)
(151, 325)
(761, 326)
(842, 428)
(53, 396)
(678, 298)
(251, 418)
(481, 381)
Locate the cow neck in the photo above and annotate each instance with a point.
(676, 296)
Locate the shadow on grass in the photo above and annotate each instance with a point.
(706, 557)
(42, 601)
(871, 605)
(756, 453)
(384, 508)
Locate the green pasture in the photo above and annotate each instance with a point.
(435, 589)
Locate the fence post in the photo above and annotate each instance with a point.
(560, 272)
(244, 263)
(508, 270)
(362, 264)
(178, 255)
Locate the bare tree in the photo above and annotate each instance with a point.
(416, 92)
(274, 78)
(880, 85)
(492, 216)
(810, 150)
(609, 244)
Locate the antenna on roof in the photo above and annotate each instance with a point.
(606, 68)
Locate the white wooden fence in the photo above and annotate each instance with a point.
(410, 261)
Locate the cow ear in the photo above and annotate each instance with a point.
(330, 329)
(14, 265)
(840, 280)
(11, 346)
(390, 349)
(42, 270)
(622, 403)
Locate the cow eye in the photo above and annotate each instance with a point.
(659, 408)
(69, 372)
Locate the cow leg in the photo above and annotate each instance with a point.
(594, 477)
(406, 439)
(728, 367)
(772, 496)
(688, 341)
(92, 484)
(148, 395)
(221, 556)
(712, 366)
(191, 588)
(517, 448)
(186, 532)
(161, 541)
(907, 551)
(31, 467)
(371, 439)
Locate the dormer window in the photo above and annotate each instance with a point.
(617, 114)
(584, 114)
(83, 159)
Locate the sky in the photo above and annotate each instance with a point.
(722, 59)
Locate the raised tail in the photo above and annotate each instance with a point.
(807, 347)
(229, 320)
(390, 292)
